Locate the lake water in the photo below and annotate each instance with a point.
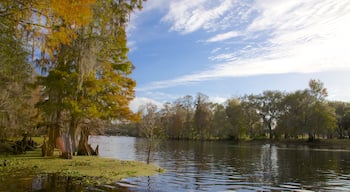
(210, 166)
(225, 166)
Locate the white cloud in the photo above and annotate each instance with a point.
(217, 99)
(222, 57)
(293, 36)
(187, 16)
(215, 50)
(155, 5)
(139, 101)
(223, 36)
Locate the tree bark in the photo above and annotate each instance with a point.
(74, 132)
(84, 148)
(54, 133)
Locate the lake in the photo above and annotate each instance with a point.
(227, 166)
(211, 166)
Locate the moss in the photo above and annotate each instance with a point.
(91, 168)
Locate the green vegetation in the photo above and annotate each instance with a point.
(89, 168)
(64, 70)
(274, 115)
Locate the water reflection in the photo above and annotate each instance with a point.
(53, 182)
(210, 166)
(122, 148)
(43, 182)
(268, 164)
(222, 166)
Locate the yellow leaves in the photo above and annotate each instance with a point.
(91, 58)
(60, 21)
(74, 13)
(93, 111)
(62, 36)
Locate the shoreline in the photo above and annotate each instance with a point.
(88, 169)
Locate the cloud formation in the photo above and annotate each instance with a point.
(292, 36)
(137, 102)
(223, 36)
(188, 16)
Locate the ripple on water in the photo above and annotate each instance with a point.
(221, 166)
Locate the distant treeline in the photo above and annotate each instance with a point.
(303, 114)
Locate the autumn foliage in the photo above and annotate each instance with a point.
(79, 48)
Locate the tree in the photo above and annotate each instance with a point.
(237, 119)
(317, 108)
(16, 105)
(150, 127)
(178, 118)
(250, 111)
(341, 110)
(220, 125)
(296, 114)
(307, 112)
(269, 108)
(345, 123)
(317, 90)
(322, 121)
(188, 104)
(202, 115)
(93, 70)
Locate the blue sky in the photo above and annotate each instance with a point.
(228, 48)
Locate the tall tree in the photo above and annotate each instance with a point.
(296, 114)
(202, 115)
(269, 108)
(322, 116)
(16, 107)
(220, 125)
(177, 128)
(93, 71)
(188, 103)
(307, 112)
(248, 103)
(237, 119)
(150, 127)
(342, 110)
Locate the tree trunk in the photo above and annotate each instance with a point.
(311, 137)
(74, 132)
(54, 133)
(149, 151)
(84, 148)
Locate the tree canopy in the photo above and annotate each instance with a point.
(271, 114)
(79, 50)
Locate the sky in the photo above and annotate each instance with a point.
(229, 48)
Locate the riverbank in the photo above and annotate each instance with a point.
(87, 169)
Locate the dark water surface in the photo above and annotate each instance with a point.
(212, 166)
(225, 166)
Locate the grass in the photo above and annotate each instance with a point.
(91, 169)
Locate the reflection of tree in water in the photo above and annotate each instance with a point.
(54, 182)
(303, 164)
(220, 166)
(268, 166)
